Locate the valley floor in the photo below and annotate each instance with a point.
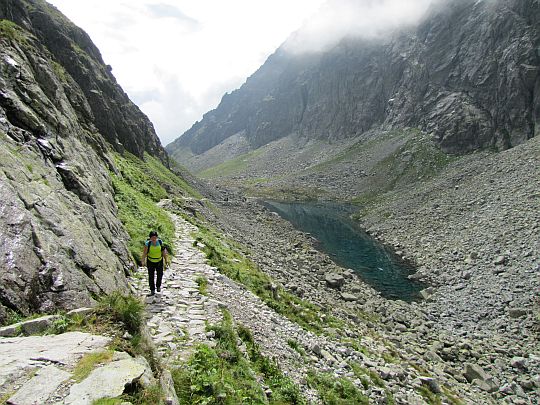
(473, 228)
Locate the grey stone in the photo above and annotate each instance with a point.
(432, 384)
(508, 389)
(517, 312)
(167, 384)
(107, 381)
(38, 325)
(334, 280)
(500, 260)
(349, 297)
(30, 327)
(39, 388)
(474, 371)
(11, 330)
(316, 349)
(22, 353)
(328, 357)
(486, 385)
(519, 362)
(80, 311)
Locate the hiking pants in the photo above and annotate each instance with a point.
(152, 267)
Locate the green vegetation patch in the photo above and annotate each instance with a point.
(8, 29)
(284, 390)
(233, 166)
(223, 375)
(137, 189)
(137, 396)
(127, 309)
(418, 159)
(89, 362)
(430, 397)
(287, 193)
(227, 256)
(202, 282)
(335, 391)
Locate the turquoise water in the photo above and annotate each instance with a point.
(351, 247)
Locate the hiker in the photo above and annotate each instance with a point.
(155, 255)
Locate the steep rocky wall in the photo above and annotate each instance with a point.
(107, 107)
(62, 243)
(469, 74)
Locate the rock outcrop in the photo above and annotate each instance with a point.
(61, 112)
(468, 74)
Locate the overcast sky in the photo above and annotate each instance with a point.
(176, 58)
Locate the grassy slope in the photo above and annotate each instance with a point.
(233, 166)
(138, 186)
(391, 160)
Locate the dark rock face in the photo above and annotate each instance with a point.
(61, 112)
(105, 105)
(469, 74)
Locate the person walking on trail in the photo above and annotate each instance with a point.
(155, 256)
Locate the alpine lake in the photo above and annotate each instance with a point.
(351, 247)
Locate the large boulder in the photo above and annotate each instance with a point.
(334, 280)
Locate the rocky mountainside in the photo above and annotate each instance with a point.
(61, 112)
(468, 74)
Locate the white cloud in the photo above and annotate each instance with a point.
(355, 18)
(176, 58)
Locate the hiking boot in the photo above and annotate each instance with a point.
(151, 294)
(159, 289)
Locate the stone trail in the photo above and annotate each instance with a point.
(176, 316)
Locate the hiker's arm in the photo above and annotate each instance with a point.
(143, 257)
(166, 257)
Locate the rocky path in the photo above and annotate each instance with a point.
(176, 316)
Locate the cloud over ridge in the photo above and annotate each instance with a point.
(338, 19)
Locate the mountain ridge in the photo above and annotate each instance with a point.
(469, 75)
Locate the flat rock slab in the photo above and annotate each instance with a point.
(108, 381)
(30, 327)
(38, 389)
(23, 353)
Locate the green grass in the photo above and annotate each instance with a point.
(362, 372)
(202, 282)
(223, 375)
(139, 185)
(335, 391)
(227, 256)
(137, 189)
(60, 71)
(451, 396)
(126, 309)
(430, 397)
(219, 375)
(89, 362)
(233, 166)
(293, 344)
(137, 396)
(8, 29)
(417, 159)
(284, 390)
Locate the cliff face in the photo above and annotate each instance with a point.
(106, 105)
(469, 74)
(61, 112)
